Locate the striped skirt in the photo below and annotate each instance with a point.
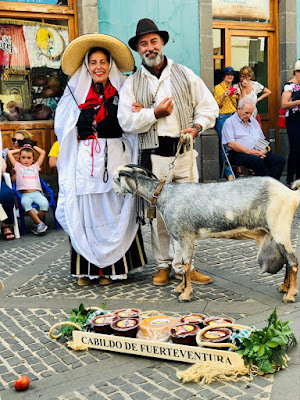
(135, 257)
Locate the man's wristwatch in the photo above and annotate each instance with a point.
(199, 130)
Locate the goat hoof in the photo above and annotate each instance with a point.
(184, 297)
(283, 288)
(288, 298)
(179, 288)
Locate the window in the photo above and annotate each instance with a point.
(219, 54)
(31, 81)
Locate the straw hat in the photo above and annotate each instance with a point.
(76, 50)
(297, 66)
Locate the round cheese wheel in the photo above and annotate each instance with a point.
(157, 328)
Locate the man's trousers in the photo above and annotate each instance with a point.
(161, 242)
(271, 165)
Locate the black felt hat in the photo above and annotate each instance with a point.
(145, 26)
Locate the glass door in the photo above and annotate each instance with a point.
(257, 49)
(252, 51)
(254, 48)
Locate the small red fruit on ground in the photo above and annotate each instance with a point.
(22, 383)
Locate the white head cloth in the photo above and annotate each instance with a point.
(98, 247)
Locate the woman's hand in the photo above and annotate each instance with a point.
(226, 93)
(136, 107)
(266, 93)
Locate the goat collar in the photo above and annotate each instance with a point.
(157, 191)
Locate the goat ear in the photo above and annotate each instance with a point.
(128, 183)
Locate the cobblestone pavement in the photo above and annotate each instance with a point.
(38, 291)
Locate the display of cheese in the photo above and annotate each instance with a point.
(157, 328)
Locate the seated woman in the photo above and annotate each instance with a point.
(7, 200)
(102, 226)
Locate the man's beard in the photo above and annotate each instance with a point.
(152, 62)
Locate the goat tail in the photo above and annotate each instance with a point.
(296, 185)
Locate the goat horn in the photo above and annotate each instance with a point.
(148, 172)
(130, 175)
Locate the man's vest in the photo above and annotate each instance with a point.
(182, 97)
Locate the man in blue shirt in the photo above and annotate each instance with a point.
(241, 133)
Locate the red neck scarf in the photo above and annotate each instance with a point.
(93, 99)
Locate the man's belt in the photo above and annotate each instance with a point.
(167, 146)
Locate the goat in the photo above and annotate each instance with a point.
(259, 208)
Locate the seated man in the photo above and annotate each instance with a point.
(240, 133)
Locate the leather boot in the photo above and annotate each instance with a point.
(161, 278)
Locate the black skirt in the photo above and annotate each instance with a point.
(134, 257)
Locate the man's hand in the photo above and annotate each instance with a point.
(136, 107)
(191, 131)
(164, 108)
(258, 153)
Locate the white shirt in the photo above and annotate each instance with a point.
(206, 108)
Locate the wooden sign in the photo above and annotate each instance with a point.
(162, 350)
(245, 9)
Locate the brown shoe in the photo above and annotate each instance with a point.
(161, 278)
(105, 281)
(197, 278)
(84, 281)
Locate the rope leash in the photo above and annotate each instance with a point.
(189, 140)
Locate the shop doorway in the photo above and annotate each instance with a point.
(256, 48)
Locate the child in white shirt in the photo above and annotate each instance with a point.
(28, 183)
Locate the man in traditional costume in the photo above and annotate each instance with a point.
(102, 225)
(159, 102)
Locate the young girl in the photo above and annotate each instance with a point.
(28, 183)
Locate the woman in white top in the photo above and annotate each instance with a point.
(251, 89)
(290, 100)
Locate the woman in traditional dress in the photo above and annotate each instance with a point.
(105, 241)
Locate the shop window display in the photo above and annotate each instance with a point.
(31, 81)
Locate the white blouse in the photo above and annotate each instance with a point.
(256, 89)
